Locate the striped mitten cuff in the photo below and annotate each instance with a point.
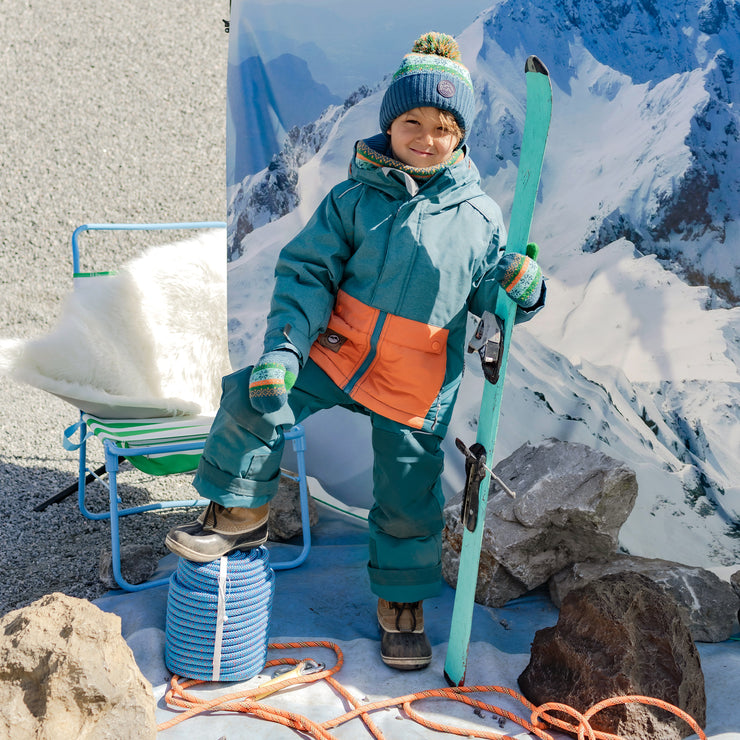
(272, 377)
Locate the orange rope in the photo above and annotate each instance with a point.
(243, 701)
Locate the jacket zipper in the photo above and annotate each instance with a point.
(370, 357)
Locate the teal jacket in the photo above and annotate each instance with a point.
(377, 287)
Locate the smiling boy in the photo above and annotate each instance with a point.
(424, 137)
(370, 312)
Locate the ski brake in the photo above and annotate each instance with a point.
(475, 472)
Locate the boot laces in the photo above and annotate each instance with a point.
(400, 608)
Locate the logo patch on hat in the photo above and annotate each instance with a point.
(446, 88)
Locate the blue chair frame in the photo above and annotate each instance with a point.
(113, 452)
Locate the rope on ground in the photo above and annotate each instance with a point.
(541, 718)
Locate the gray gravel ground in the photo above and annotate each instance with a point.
(109, 111)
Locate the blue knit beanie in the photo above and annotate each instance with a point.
(431, 75)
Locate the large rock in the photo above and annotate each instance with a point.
(735, 582)
(67, 673)
(570, 504)
(708, 604)
(616, 636)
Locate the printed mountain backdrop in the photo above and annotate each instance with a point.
(638, 351)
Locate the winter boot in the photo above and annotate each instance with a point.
(404, 644)
(219, 531)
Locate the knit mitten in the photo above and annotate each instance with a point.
(272, 377)
(520, 276)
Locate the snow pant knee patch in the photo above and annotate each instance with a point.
(406, 479)
(240, 465)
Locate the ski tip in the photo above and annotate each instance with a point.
(533, 64)
(452, 682)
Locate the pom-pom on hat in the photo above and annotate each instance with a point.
(431, 75)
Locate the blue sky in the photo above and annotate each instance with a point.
(347, 44)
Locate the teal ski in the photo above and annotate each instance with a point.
(492, 341)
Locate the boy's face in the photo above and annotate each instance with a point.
(419, 139)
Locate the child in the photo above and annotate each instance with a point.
(369, 312)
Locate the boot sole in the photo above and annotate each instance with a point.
(406, 664)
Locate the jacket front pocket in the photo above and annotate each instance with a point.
(407, 372)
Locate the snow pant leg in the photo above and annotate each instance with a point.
(240, 465)
(406, 519)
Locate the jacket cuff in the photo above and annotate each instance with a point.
(524, 314)
(295, 342)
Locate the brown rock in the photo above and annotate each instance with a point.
(66, 672)
(616, 636)
(285, 511)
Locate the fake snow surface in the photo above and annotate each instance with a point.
(329, 598)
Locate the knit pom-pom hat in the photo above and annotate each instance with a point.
(431, 75)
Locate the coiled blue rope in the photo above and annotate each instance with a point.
(192, 628)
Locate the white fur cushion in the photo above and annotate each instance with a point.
(150, 340)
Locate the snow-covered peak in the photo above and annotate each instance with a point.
(646, 105)
(646, 40)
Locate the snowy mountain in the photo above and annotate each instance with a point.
(638, 350)
(293, 97)
(272, 192)
(660, 88)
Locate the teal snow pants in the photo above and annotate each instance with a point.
(240, 466)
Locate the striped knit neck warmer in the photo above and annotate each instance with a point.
(368, 158)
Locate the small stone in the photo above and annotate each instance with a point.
(138, 565)
(285, 511)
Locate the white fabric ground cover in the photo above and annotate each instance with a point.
(298, 604)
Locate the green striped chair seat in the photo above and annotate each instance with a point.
(168, 431)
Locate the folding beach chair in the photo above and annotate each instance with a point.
(164, 445)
